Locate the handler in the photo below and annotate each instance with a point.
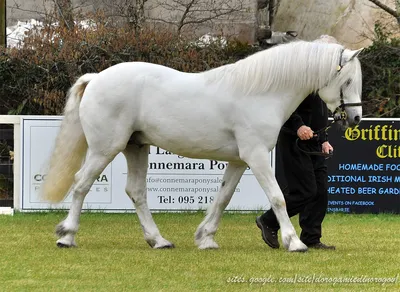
(305, 174)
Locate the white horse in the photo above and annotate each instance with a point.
(232, 113)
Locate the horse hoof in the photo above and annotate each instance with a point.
(61, 244)
(160, 243)
(300, 250)
(167, 246)
(297, 246)
(208, 244)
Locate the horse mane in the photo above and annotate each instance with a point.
(299, 64)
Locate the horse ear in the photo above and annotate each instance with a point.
(349, 55)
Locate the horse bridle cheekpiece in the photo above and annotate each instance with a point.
(340, 111)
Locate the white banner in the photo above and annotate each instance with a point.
(174, 183)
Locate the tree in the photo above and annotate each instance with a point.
(132, 11)
(64, 12)
(394, 13)
(184, 13)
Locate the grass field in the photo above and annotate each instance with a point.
(113, 256)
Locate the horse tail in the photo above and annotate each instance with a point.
(70, 146)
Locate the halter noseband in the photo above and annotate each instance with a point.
(340, 111)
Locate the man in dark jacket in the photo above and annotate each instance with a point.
(305, 174)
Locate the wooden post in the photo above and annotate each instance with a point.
(3, 37)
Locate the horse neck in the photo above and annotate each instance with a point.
(288, 102)
(278, 71)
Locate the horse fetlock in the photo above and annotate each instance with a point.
(198, 235)
(204, 238)
(292, 243)
(288, 237)
(204, 230)
(285, 241)
(63, 229)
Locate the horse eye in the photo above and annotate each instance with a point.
(348, 82)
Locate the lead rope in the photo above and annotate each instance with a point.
(326, 155)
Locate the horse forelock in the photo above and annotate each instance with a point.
(297, 65)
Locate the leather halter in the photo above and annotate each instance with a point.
(340, 111)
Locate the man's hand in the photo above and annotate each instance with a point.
(326, 147)
(305, 133)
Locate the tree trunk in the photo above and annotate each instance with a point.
(395, 13)
(3, 37)
(139, 14)
(64, 12)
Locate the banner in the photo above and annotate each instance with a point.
(364, 172)
(174, 183)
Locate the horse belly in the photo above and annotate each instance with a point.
(194, 144)
(195, 147)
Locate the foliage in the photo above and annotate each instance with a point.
(36, 78)
(381, 75)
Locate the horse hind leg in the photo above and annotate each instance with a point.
(84, 178)
(204, 236)
(136, 189)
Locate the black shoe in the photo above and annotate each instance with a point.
(320, 245)
(269, 235)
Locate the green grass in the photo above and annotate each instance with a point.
(113, 256)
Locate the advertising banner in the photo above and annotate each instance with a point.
(174, 183)
(364, 172)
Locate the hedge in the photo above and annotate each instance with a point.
(36, 77)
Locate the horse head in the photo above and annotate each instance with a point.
(342, 93)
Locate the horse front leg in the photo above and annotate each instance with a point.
(259, 161)
(204, 236)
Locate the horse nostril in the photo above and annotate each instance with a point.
(357, 119)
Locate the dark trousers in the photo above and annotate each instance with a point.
(307, 195)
